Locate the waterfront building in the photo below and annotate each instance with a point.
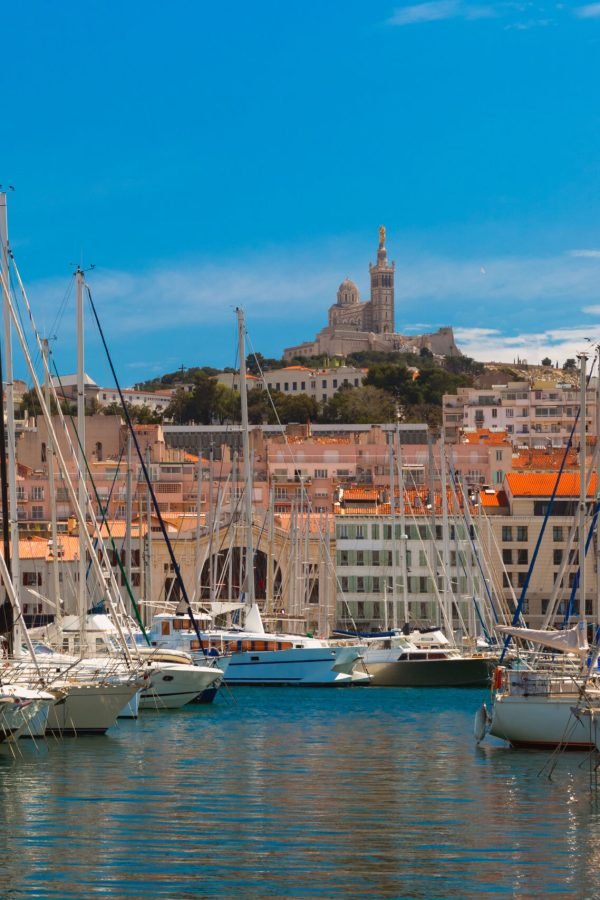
(509, 523)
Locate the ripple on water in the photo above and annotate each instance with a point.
(297, 793)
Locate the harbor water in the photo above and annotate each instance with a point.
(298, 793)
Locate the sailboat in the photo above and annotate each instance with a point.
(251, 655)
(538, 700)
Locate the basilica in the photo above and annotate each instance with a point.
(369, 325)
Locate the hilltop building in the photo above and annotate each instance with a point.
(356, 325)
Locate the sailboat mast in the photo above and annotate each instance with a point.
(81, 487)
(128, 512)
(246, 453)
(582, 483)
(597, 498)
(403, 535)
(51, 488)
(9, 398)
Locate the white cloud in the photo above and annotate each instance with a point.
(585, 254)
(559, 344)
(590, 11)
(438, 10)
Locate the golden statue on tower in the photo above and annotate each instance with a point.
(381, 235)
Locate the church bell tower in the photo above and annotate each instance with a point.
(382, 290)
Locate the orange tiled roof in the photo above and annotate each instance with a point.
(541, 484)
(543, 459)
(361, 494)
(486, 436)
(493, 501)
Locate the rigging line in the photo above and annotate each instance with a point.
(520, 604)
(453, 477)
(61, 458)
(104, 509)
(99, 526)
(161, 521)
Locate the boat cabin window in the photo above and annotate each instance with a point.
(164, 628)
(180, 625)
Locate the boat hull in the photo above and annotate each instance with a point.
(307, 666)
(542, 722)
(460, 672)
(173, 686)
(89, 708)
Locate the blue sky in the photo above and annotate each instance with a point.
(204, 156)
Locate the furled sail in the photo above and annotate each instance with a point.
(572, 640)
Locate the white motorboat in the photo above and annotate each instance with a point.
(251, 656)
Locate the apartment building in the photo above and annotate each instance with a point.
(510, 522)
(390, 571)
(536, 414)
(320, 384)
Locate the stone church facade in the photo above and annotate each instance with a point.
(354, 325)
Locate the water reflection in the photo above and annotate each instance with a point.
(297, 793)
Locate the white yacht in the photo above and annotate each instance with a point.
(251, 656)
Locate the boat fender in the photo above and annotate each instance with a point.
(482, 723)
(498, 677)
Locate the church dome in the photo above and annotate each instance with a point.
(347, 293)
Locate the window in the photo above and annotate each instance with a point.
(507, 556)
(498, 476)
(320, 473)
(343, 532)
(286, 386)
(294, 385)
(37, 513)
(375, 558)
(557, 556)
(376, 586)
(506, 579)
(498, 455)
(360, 584)
(37, 493)
(521, 578)
(335, 382)
(99, 456)
(521, 532)
(360, 557)
(32, 578)
(509, 413)
(557, 533)
(507, 533)
(387, 532)
(522, 557)
(302, 385)
(494, 413)
(43, 452)
(344, 584)
(361, 532)
(344, 558)
(375, 532)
